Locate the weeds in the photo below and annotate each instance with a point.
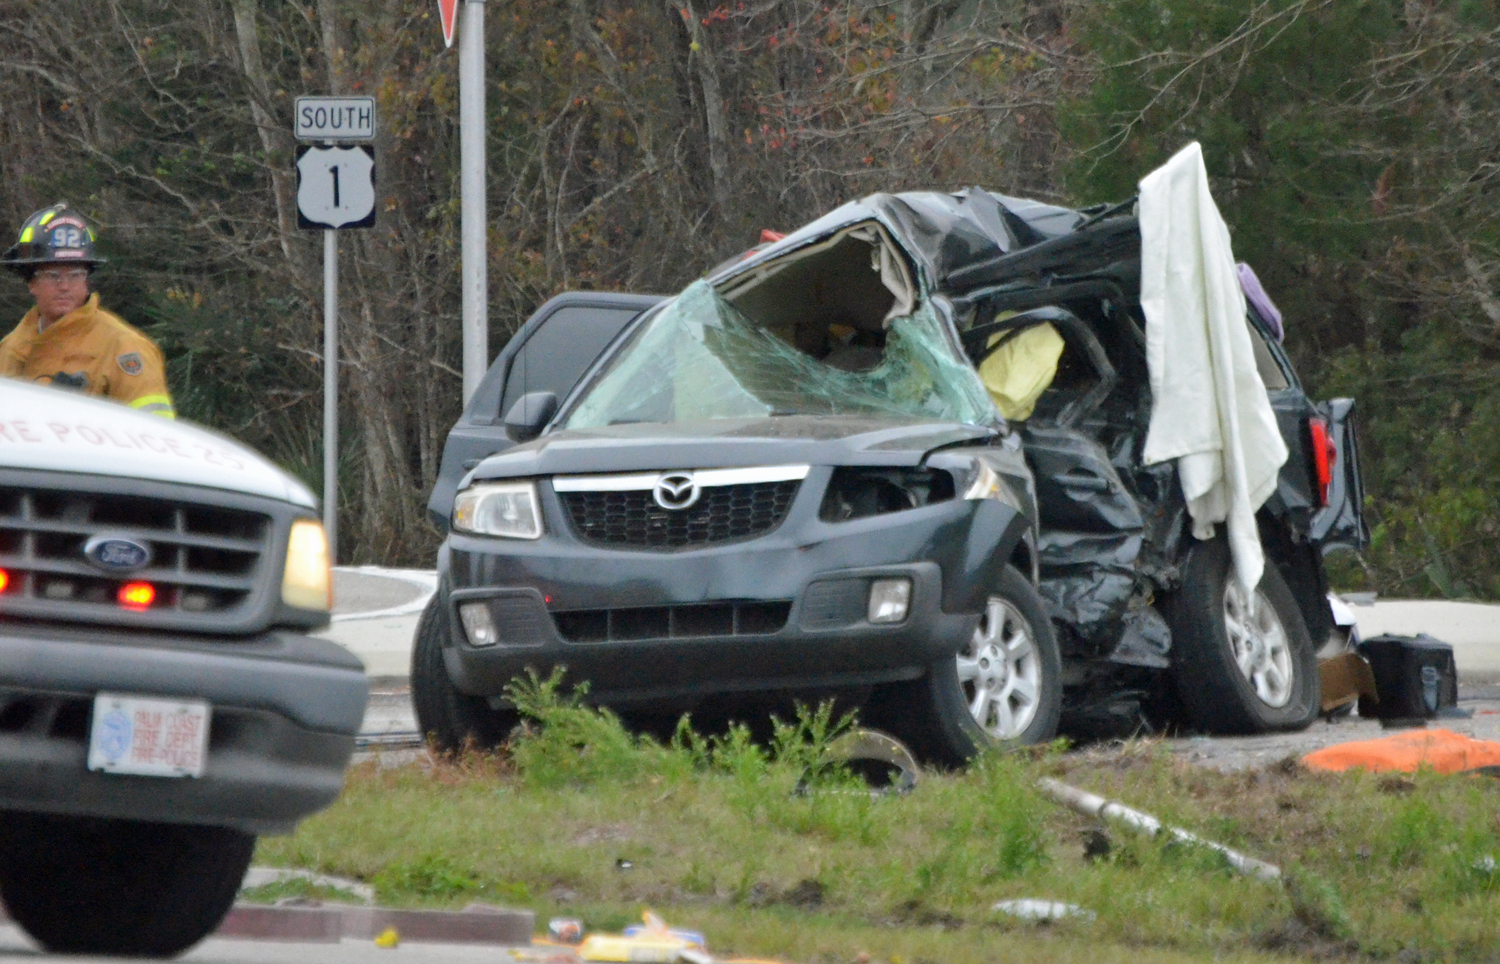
(431, 876)
(576, 744)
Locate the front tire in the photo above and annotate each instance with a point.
(1002, 689)
(450, 720)
(1243, 664)
(81, 885)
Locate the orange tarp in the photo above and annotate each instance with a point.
(1440, 750)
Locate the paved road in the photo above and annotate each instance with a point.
(15, 947)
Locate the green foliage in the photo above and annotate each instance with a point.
(1376, 864)
(576, 744)
(431, 875)
(1318, 904)
(1340, 140)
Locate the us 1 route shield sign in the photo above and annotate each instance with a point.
(335, 187)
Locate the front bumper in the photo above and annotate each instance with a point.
(285, 711)
(786, 611)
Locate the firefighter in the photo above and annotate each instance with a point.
(67, 340)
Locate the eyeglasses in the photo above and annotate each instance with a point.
(57, 276)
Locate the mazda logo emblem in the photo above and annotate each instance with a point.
(676, 491)
(117, 554)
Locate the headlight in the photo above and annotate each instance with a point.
(506, 509)
(306, 582)
(984, 483)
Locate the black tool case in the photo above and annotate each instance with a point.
(1415, 676)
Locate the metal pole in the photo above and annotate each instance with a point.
(331, 391)
(471, 185)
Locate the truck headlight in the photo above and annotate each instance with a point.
(508, 509)
(306, 582)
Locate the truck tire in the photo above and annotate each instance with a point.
(85, 885)
(450, 720)
(1003, 689)
(1241, 666)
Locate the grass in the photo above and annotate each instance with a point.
(582, 819)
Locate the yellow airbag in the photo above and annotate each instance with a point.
(1019, 371)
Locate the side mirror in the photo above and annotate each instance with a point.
(529, 415)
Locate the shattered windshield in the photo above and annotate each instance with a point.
(701, 358)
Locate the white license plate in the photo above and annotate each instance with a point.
(148, 737)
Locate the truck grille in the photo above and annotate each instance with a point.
(633, 520)
(204, 559)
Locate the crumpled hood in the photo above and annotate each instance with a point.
(730, 443)
(52, 430)
(947, 234)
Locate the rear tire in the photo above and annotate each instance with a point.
(1002, 690)
(450, 720)
(1242, 666)
(81, 885)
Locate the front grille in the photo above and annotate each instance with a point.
(723, 513)
(204, 558)
(697, 620)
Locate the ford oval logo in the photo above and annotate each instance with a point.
(117, 553)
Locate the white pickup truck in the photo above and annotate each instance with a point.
(161, 703)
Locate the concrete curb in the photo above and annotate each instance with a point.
(330, 923)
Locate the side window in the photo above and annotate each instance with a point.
(554, 358)
(1265, 361)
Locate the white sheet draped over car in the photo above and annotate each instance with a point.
(1210, 411)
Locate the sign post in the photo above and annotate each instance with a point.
(473, 220)
(335, 190)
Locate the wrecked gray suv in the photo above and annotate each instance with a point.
(792, 480)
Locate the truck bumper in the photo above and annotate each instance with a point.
(285, 711)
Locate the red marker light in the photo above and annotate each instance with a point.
(137, 596)
(4, 580)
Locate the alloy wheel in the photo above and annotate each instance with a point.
(1000, 671)
(1258, 642)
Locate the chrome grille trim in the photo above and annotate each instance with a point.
(216, 563)
(706, 478)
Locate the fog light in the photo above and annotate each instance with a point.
(478, 625)
(137, 596)
(889, 599)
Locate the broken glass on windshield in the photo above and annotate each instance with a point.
(701, 358)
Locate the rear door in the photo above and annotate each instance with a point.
(1341, 523)
(549, 354)
(1338, 521)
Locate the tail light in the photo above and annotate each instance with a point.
(1325, 455)
(4, 580)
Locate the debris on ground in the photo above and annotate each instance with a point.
(653, 942)
(1093, 805)
(257, 877)
(1441, 750)
(1030, 908)
(565, 930)
(650, 942)
(388, 938)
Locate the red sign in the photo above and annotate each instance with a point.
(448, 10)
